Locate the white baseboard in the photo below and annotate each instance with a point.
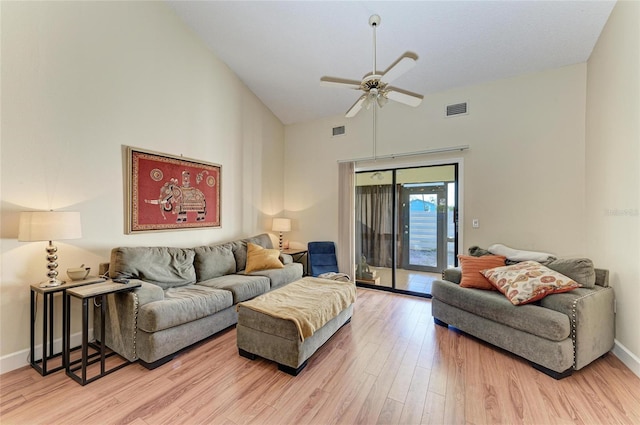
(627, 357)
(20, 359)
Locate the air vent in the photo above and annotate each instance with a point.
(457, 109)
(338, 131)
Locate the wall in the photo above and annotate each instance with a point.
(523, 176)
(79, 81)
(613, 179)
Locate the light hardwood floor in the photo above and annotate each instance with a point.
(407, 280)
(390, 365)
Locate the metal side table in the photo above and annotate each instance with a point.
(101, 352)
(48, 324)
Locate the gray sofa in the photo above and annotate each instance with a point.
(557, 334)
(186, 295)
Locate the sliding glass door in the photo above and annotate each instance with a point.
(406, 232)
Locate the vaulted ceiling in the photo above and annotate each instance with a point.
(281, 49)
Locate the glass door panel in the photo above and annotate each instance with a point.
(424, 210)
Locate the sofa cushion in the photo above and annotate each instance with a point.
(240, 248)
(164, 266)
(528, 281)
(280, 277)
(533, 319)
(259, 258)
(213, 261)
(471, 267)
(579, 269)
(242, 287)
(181, 305)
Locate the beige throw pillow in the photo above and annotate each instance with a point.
(528, 281)
(259, 258)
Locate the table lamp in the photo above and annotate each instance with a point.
(49, 226)
(281, 225)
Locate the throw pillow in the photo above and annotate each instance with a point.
(528, 281)
(259, 258)
(471, 267)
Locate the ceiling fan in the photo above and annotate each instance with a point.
(376, 86)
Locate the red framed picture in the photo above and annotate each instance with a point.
(167, 192)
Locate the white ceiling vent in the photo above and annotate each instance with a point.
(338, 131)
(457, 109)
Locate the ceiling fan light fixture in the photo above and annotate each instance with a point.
(382, 100)
(367, 102)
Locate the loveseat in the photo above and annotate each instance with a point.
(186, 295)
(558, 334)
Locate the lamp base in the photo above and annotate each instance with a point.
(51, 283)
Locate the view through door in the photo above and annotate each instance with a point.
(415, 208)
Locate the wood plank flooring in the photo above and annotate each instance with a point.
(390, 365)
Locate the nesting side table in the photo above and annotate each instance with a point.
(77, 370)
(48, 324)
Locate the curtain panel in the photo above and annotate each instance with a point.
(374, 224)
(346, 212)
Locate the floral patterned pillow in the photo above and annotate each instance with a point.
(528, 281)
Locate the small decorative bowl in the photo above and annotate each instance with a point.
(78, 273)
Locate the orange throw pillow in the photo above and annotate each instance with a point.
(471, 267)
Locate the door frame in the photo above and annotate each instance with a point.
(410, 162)
(387, 164)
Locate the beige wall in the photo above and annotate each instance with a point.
(523, 174)
(81, 79)
(613, 158)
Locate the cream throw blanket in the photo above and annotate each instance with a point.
(309, 302)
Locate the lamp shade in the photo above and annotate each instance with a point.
(281, 225)
(49, 226)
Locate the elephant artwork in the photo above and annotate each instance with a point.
(169, 193)
(179, 200)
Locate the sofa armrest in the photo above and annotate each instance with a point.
(453, 274)
(592, 320)
(121, 318)
(602, 277)
(148, 292)
(286, 259)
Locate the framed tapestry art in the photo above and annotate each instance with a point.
(166, 192)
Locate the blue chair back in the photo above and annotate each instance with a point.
(322, 258)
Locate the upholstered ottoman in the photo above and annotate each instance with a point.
(289, 324)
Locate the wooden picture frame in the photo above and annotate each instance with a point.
(167, 192)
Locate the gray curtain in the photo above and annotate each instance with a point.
(374, 224)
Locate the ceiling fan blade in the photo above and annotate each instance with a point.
(340, 82)
(407, 98)
(401, 66)
(356, 107)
